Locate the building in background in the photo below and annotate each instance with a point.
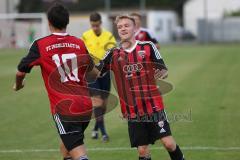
(8, 6)
(202, 18)
(161, 18)
(162, 24)
(195, 10)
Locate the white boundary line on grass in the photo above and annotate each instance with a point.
(196, 148)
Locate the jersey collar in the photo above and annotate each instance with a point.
(132, 48)
(60, 34)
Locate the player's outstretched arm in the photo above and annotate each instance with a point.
(19, 81)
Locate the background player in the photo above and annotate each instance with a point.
(60, 56)
(98, 41)
(133, 65)
(143, 34)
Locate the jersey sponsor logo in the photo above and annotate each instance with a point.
(132, 68)
(142, 54)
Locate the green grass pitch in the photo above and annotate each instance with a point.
(204, 109)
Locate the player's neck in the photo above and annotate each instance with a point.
(98, 33)
(126, 44)
(55, 30)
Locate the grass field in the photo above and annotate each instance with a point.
(203, 107)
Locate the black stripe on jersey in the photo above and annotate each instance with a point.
(123, 83)
(131, 84)
(139, 83)
(149, 91)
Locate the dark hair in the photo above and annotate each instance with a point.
(58, 16)
(94, 17)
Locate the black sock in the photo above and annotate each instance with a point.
(177, 154)
(67, 158)
(144, 158)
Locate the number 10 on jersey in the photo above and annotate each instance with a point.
(64, 70)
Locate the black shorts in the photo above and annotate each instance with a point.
(101, 87)
(148, 131)
(71, 132)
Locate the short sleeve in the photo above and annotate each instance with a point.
(156, 57)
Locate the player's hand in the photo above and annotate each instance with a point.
(160, 74)
(18, 87)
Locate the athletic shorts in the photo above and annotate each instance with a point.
(101, 87)
(146, 130)
(71, 132)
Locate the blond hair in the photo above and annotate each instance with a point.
(124, 16)
(135, 14)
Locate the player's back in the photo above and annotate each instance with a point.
(64, 61)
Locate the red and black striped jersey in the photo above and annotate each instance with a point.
(144, 34)
(134, 76)
(64, 60)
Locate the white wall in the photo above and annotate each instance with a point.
(12, 6)
(194, 10)
(3, 6)
(162, 24)
(80, 23)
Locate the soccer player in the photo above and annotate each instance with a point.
(98, 41)
(135, 64)
(64, 60)
(143, 34)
